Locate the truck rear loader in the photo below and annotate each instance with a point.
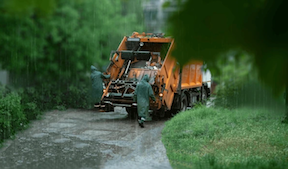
(150, 53)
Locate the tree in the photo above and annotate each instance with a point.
(207, 29)
(60, 42)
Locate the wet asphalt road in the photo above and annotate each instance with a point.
(83, 139)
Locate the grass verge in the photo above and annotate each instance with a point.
(221, 138)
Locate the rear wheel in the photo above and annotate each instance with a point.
(173, 112)
(183, 105)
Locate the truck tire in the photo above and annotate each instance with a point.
(173, 112)
(132, 112)
(184, 102)
(183, 105)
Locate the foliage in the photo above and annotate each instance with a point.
(25, 7)
(18, 108)
(221, 138)
(12, 117)
(237, 85)
(250, 94)
(208, 29)
(63, 45)
(53, 96)
(234, 73)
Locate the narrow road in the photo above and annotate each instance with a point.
(83, 139)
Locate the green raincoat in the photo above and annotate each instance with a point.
(141, 95)
(97, 84)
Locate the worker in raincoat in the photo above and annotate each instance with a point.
(97, 84)
(142, 94)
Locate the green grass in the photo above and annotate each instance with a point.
(221, 138)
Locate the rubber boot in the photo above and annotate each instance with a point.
(141, 121)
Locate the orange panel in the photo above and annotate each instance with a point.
(169, 80)
(199, 74)
(185, 74)
(114, 68)
(159, 40)
(191, 75)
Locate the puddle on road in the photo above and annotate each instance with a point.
(62, 125)
(80, 137)
(81, 145)
(61, 140)
(50, 130)
(96, 132)
(40, 135)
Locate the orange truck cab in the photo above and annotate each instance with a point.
(150, 54)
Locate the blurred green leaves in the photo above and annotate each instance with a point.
(27, 7)
(166, 4)
(237, 85)
(58, 40)
(207, 29)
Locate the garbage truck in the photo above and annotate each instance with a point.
(175, 88)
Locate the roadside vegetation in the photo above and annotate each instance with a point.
(242, 129)
(19, 107)
(223, 138)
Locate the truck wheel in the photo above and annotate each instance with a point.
(132, 112)
(184, 102)
(173, 112)
(183, 105)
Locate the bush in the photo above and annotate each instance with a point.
(250, 93)
(221, 138)
(12, 117)
(17, 109)
(55, 96)
(77, 96)
(234, 73)
(238, 86)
